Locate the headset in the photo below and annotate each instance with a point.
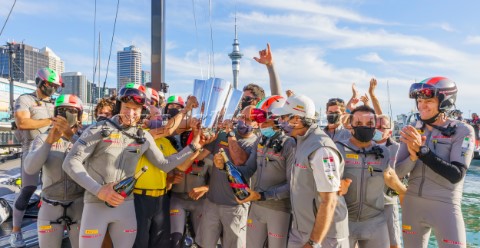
(106, 131)
(275, 142)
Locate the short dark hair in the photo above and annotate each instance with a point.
(256, 90)
(336, 102)
(361, 108)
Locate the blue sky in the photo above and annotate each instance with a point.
(320, 47)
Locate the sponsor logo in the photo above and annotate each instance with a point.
(352, 156)
(46, 229)
(301, 166)
(406, 227)
(115, 135)
(250, 223)
(441, 137)
(350, 162)
(374, 162)
(92, 231)
(409, 232)
(276, 235)
(42, 228)
(130, 230)
(174, 212)
(452, 242)
(91, 236)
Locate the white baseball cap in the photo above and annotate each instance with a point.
(300, 105)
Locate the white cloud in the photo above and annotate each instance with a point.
(473, 40)
(445, 26)
(370, 57)
(313, 7)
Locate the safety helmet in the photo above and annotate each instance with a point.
(263, 109)
(133, 92)
(441, 87)
(70, 100)
(175, 99)
(48, 75)
(152, 94)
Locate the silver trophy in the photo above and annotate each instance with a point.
(214, 97)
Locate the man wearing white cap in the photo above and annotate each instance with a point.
(319, 215)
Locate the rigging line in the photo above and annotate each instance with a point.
(6, 20)
(94, 40)
(389, 102)
(111, 42)
(196, 36)
(211, 36)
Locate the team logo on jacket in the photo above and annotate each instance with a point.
(301, 166)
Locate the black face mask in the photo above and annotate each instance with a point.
(173, 112)
(333, 118)
(363, 134)
(243, 129)
(48, 91)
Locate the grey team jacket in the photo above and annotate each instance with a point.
(365, 197)
(423, 181)
(304, 196)
(270, 172)
(57, 185)
(96, 160)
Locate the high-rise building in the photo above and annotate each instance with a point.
(75, 83)
(129, 66)
(54, 62)
(235, 56)
(27, 61)
(146, 77)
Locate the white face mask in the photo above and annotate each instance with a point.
(378, 135)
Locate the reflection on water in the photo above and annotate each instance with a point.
(471, 203)
(470, 206)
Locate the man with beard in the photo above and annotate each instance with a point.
(33, 116)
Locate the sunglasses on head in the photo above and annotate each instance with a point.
(133, 98)
(422, 91)
(339, 100)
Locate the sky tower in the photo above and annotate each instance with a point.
(235, 56)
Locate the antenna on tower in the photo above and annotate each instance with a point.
(235, 55)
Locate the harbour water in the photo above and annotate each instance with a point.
(471, 205)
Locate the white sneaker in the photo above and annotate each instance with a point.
(16, 240)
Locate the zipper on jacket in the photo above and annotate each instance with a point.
(362, 188)
(423, 168)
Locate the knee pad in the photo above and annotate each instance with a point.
(25, 194)
(176, 239)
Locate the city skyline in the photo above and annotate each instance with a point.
(319, 47)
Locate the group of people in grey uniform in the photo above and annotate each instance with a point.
(308, 186)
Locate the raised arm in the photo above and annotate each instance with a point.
(375, 102)
(265, 57)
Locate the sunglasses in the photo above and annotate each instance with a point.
(70, 110)
(247, 99)
(339, 100)
(422, 91)
(133, 98)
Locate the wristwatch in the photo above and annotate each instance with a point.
(193, 147)
(231, 134)
(423, 151)
(314, 244)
